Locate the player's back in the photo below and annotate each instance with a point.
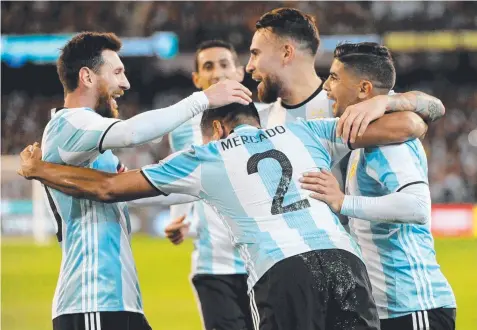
(400, 258)
(97, 269)
(252, 179)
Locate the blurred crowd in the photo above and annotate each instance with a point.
(452, 158)
(231, 20)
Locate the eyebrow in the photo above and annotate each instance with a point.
(212, 62)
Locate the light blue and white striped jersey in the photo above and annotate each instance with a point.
(214, 252)
(97, 269)
(251, 179)
(400, 258)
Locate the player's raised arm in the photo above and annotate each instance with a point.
(153, 124)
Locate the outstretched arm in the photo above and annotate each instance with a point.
(84, 182)
(169, 200)
(153, 124)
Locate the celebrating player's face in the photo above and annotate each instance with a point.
(342, 87)
(216, 64)
(111, 84)
(264, 65)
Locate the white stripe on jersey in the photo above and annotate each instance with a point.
(83, 249)
(299, 155)
(414, 323)
(254, 309)
(362, 234)
(252, 197)
(242, 249)
(419, 320)
(407, 250)
(426, 321)
(98, 321)
(96, 250)
(89, 222)
(432, 302)
(86, 321)
(91, 321)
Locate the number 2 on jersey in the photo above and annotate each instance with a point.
(287, 172)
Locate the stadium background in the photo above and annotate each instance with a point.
(435, 49)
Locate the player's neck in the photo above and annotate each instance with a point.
(301, 85)
(79, 100)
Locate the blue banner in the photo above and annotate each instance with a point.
(16, 50)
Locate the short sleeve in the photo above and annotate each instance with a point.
(325, 131)
(77, 135)
(397, 166)
(178, 173)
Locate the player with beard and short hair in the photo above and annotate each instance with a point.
(98, 286)
(282, 58)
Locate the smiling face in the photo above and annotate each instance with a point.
(265, 64)
(342, 86)
(215, 64)
(111, 83)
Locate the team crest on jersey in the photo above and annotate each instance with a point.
(319, 113)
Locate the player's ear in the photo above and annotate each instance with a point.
(195, 80)
(288, 53)
(365, 89)
(87, 77)
(218, 130)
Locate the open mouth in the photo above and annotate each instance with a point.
(113, 100)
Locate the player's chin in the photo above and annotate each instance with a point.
(114, 112)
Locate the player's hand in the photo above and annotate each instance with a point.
(177, 230)
(227, 91)
(356, 118)
(325, 188)
(30, 160)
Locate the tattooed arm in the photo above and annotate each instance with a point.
(426, 106)
(356, 118)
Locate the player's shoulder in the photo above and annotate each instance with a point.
(78, 117)
(318, 123)
(399, 152)
(199, 153)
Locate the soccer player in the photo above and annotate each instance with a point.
(218, 272)
(387, 199)
(304, 270)
(98, 286)
(282, 59)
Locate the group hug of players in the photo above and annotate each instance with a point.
(312, 212)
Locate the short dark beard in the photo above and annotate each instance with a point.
(103, 106)
(270, 92)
